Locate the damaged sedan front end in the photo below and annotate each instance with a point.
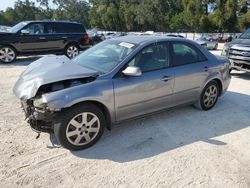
(39, 80)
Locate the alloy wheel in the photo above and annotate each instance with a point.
(7, 54)
(210, 96)
(82, 129)
(72, 51)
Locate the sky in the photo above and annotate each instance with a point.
(9, 3)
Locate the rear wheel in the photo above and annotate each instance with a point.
(209, 96)
(71, 51)
(7, 54)
(79, 127)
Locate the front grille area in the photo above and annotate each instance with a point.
(240, 54)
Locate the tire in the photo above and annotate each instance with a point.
(7, 54)
(75, 133)
(209, 96)
(72, 50)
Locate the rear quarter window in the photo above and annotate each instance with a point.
(185, 53)
(68, 28)
(73, 28)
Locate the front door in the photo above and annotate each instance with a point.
(36, 40)
(152, 91)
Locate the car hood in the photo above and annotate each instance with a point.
(5, 33)
(48, 70)
(239, 42)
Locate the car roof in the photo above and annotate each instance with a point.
(52, 21)
(136, 39)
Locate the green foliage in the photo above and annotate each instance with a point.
(244, 21)
(138, 15)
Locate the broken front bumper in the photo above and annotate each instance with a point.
(240, 65)
(40, 120)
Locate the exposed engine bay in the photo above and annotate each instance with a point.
(38, 115)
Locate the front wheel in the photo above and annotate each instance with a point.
(7, 54)
(209, 96)
(71, 51)
(79, 127)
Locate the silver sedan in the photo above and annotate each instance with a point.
(117, 80)
(211, 44)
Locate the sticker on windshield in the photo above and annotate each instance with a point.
(127, 45)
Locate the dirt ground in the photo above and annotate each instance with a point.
(183, 147)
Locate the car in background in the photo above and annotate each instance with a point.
(202, 43)
(211, 44)
(109, 35)
(43, 37)
(174, 35)
(116, 80)
(4, 28)
(238, 52)
(95, 36)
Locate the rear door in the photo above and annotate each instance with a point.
(191, 70)
(56, 37)
(149, 92)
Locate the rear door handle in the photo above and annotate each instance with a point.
(64, 37)
(166, 78)
(42, 38)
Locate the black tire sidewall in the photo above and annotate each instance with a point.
(203, 107)
(14, 53)
(63, 119)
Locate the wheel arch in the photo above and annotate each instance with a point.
(11, 46)
(219, 82)
(102, 107)
(70, 43)
(216, 76)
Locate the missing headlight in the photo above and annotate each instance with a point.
(57, 86)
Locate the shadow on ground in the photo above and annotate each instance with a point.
(241, 75)
(156, 134)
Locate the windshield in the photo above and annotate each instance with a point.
(105, 56)
(245, 35)
(17, 27)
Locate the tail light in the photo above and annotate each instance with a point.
(86, 37)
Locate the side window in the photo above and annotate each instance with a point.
(49, 28)
(35, 29)
(58, 28)
(152, 58)
(186, 54)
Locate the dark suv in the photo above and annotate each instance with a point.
(43, 37)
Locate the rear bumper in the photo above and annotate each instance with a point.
(84, 47)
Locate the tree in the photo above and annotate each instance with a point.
(23, 10)
(244, 21)
(192, 13)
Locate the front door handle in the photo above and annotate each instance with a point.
(166, 78)
(42, 38)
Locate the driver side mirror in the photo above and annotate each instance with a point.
(25, 32)
(132, 71)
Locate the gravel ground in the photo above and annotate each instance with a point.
(183, 147)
